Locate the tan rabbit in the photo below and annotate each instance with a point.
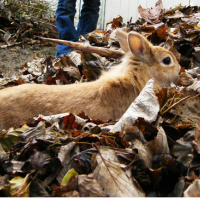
(106, 98)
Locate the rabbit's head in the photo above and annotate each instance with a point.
(147, 60)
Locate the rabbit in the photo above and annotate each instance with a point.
(105, 98)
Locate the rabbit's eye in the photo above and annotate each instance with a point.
(167, 60)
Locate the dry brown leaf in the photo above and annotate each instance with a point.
(185, 79)
(196, 142)
(152, 15)
(195, 86)
(195, 71)
(144, 152)
(177, 14)
(65, 154)
(193, 190)
(99, 38)
(114, 181)
(3, 155)
(182, 150)
(92, 67)
(72, 193)
(148, 129)
(160, 144)
(116, 23)
(197, 53)
(89, 187)
(187, 112)
(20, 186)
(65, 120)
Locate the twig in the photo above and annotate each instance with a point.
(175, 104)
(168, 103)
(78, 46)
(130, 164)
(172, 101)
(2, 31)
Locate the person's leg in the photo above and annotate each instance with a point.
(89, 16)
(65, 13)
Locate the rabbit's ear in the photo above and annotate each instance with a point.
(139, 45)
(122, 38)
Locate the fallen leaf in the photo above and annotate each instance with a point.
(186, 112)
(194, 72)
(19, 187)
(39, 160)
(65, 154)
(185, 79)
(197, 53)
(126, 154)
(71, 173)
(131, 133)
(193, 190)
(196, 142)
(39, 130)
(159, 36)
(152, 15)
(92, 67)
(17, 166)
(116, 23)
(177, 14)
(99, 38)
(12, 137)
(112, 179)
(182, 150)
(179, 187)
(73, 193)
(145, 106)
(195, 86)
(4, 185)
(144, 152)
(167, 173)
(37, 189)
(160, 144)
(106, 141)
(89, 187)
(82, 161)
(63, 190)
(65, 120)
(148, 129)
(3, 155)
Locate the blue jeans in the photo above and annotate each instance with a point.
(65, 13)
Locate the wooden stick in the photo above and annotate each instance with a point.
(78, 46)
(175, 104)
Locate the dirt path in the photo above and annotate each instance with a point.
(12, 58)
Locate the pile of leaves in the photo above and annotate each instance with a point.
(22, 20)
(153, 152)
(177, 29)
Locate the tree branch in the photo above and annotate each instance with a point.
(78, 46)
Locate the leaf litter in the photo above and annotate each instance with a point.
(152, 151)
